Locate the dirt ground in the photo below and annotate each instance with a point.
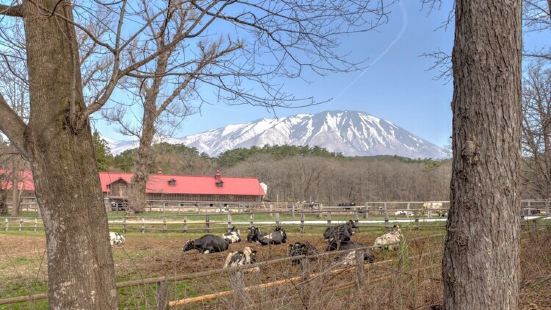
(23, 269)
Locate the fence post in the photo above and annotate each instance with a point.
(360, 275)
(20, 224)
(124, 225)
(329, 218)
(35, 224)
(207, 223)
(386, 216)
(143, 225)
(356, 217)
(229, 220)
(548, 205)
(162, 295)
(164, 223)
(184, 228)
(304, 269)
(366, 210)
(7, 225)
(301, 222)
(251, 220)
(277, 218)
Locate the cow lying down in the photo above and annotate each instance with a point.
(390, 240)
(341, 232)
(207, 244)
(349, 258)
(116, 238)
(232, 235)
(301, 248)
(278, 236)
(247, 256)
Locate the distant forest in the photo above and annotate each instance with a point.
(302, 173)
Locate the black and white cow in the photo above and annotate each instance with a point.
(232, 235)
(350, 257)
(340, 233)
(301, 248)
(116, 238)
(278, 236)
(240, 258)
(207, 244)
(390, 240)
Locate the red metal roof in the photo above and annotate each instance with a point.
(158, 184)
(195, 185)
(26, 182)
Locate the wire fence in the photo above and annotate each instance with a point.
(359, 280)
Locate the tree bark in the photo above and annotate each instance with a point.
(143, 158)
(138, 186)
(80, 263)
(481, 258)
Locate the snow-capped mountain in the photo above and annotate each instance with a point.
(351, 133)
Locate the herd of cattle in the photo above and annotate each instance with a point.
(337, 238)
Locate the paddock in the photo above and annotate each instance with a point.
(152, 272)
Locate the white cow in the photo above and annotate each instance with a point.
(404, 213)
(435, 207)
(390, 240)
(115, 238)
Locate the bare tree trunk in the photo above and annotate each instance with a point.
(142, 161)
(15, 193)
(80, 263)
(3, 204)
(481, 259)
(150, 114)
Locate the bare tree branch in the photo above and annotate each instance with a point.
(14, 11)
(13, 126)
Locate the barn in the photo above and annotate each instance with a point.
(183, 190)
(166, 190)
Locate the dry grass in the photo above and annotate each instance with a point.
(412, 280)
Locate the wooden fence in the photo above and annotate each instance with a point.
(365, 216)
(161, 283)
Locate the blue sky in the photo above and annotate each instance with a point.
(396, 85)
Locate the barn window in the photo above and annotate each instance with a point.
(172, 182)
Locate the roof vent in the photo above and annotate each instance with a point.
(172, 182)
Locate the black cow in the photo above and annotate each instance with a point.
(350, 257)
(301, 248)
(278, 236)
(340, 233)
(207, 244)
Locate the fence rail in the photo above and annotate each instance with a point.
(208, 222)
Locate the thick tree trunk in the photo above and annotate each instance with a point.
(481, 258)
(80, 264)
